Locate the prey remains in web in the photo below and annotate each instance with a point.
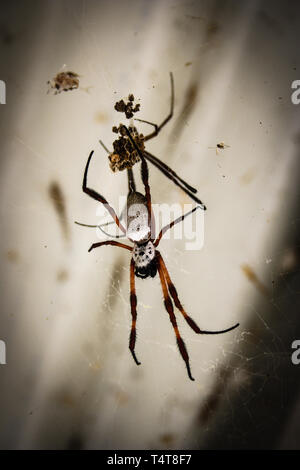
(125, 155)
(63, 81)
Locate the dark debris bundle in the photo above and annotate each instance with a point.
(128, 108)
(64, 81)
(124, 154)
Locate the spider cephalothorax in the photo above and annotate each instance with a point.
(144, 257)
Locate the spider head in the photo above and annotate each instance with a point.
(144, 259)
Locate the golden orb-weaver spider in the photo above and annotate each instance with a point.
(146, 259)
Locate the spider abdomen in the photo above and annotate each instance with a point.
(138, 230)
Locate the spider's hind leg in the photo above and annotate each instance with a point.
(133, 303)
(170, 310)
(189, 320)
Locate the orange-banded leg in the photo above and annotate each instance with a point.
(170, 310)
(188, 319)
(133, 303)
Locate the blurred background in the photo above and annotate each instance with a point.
(70, 381)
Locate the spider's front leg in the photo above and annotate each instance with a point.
(169, 173)
(174, 222)
(157, 128)
(98, 197)
(166, 170)
(133, 303)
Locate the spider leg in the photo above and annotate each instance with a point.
(100, 228)
(133, 303)
(170, 310)
(102, 225)
(175, 181)
(131, 188)
(131, 182)
(159, 164)
(93, 194)
(188, 319)
(145, 171)
(110, 234)
(110, 242)
(157, 128)
(104, 146)
(170, 225)
(86, 225)
(147, 122)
